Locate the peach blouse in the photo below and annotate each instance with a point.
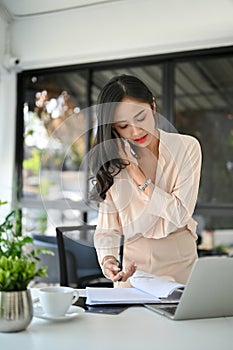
(169, 207)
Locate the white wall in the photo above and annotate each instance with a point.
(122, 29)
(109, 31)
(7, 121)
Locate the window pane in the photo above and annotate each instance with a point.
(55, 120)
(151, 75)
(204, 108)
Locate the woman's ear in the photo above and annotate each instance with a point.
(153, 104)
(114, 132)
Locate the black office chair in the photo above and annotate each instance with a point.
(78, 261)
(51, 261)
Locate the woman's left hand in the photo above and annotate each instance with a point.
(123, 275)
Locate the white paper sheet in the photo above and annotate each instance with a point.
(160, 287)
(100, 296)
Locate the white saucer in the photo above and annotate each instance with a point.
(73, 312)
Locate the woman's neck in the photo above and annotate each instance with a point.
(153, 147)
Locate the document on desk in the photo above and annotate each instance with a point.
(146, 289)
(100, 296)
(162, 287)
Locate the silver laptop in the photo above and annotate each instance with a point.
(208, 292)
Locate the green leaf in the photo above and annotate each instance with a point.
(17, 265)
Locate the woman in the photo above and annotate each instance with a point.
(147, 183)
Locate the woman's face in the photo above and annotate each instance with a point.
(134, 121)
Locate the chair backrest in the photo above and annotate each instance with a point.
(77, 241)
(51, 261)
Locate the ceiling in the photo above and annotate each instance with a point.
(27, 8)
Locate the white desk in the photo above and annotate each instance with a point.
(135, 328)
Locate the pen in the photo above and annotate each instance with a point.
(121, 252)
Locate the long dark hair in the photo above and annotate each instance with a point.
(104, 159)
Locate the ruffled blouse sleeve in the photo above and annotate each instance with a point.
(108, 231)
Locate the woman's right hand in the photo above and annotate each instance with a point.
(111, 269)
(133, 168)
(124, 150)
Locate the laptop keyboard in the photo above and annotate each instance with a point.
(170, 309)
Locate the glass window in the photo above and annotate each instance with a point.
(196, 92)
(55, 124)
(204, 108)
(151, 75)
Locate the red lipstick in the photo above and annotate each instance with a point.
(141, 140)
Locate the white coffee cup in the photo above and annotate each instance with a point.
(56, 301)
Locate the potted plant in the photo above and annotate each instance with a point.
(18, 266)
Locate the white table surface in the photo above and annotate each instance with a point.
(135, 328)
